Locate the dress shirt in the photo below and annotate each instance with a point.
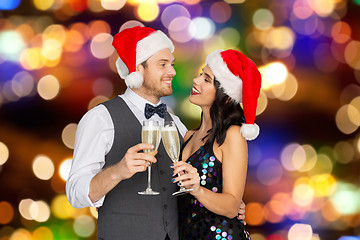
(93, 140)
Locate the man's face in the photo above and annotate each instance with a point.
(158, 74)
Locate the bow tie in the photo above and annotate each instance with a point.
(151, 110)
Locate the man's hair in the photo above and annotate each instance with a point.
(144, 64)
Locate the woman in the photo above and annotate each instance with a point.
(214, 156)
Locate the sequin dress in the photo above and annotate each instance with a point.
(195, 221)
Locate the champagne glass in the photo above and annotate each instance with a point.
(170, 138)
(150, 133)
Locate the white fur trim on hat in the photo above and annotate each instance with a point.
(134, 80)
(150, 45)
(250, 131)
(122, 68)
(231, 84)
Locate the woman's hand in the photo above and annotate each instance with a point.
(189, 176)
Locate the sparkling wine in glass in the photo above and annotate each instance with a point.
(150, 133)
(171, 143)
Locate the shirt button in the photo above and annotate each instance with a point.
(162, 172)
(165, 206)
(164, 189)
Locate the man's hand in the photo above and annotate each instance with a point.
(134, 162)
(241, 213)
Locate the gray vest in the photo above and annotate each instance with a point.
(125, 214)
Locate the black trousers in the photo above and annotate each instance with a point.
(167, 237)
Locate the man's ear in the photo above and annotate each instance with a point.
(140, 68)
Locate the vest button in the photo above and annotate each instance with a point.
(165, 206)
(164, 189)
(166, 223)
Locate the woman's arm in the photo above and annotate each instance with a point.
(234, 161)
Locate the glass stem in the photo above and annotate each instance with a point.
(149, 176)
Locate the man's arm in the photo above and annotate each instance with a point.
(132, 162)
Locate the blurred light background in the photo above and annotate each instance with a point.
(56, 62)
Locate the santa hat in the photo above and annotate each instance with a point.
(241, 81)
(134, 46)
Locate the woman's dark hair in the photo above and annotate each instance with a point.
(224, 112)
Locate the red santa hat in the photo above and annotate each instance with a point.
(241, 81)
(134, 46)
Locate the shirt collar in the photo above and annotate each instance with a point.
(138, 101)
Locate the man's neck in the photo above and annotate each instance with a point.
(150, 98)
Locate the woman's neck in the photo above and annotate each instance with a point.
(206, 124)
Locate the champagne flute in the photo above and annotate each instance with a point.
(150, 133)
(170, 138)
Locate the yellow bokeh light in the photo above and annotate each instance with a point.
(323, 166)
(288, 88)
(48, 87)
(148, 11)
(68, 135)
(43, 167)
(30, 59)
(43, 5)
(51, 49)
(323, 8)
(303, 195)
(55, 31)
(263, 19)
(235, 1)
(281, 38)
(4, 153)
(42, 233)
(230, 36)
(262, 103)
(113, 4)
(272, 74)
(95, 6)
(24, 208)
(300, 232)
(21, 234)
(311, 158)
(343, 122)
(329, 212)
(61, 207)
(84, 226)
(213, 43)
(64, 168)
(39, 211)
(323, 184)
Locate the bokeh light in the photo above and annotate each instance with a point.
(84, 226)
(220, 12)
(4, 153)
(42, 233)
(201, 28)
(300, 232)
(112, 5)
(43, 167)
(6, 212)
(101, 46)
(48, 87)
(172, 12)
(68, 135)
(61, 208)
(64, 169)
(263, 19)
(148, 10)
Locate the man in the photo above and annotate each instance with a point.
(108, 167)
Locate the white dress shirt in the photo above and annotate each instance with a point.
(93, 140)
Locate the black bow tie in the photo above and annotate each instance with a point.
(151, 110)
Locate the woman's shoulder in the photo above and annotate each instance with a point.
(234, 136)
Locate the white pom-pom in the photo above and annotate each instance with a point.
(134, 80)
(122, 68)
(250, 131)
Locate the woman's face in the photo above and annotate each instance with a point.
(203, 91)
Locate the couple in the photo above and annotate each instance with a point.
(108, 167)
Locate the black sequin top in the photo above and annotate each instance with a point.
(195, 221)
